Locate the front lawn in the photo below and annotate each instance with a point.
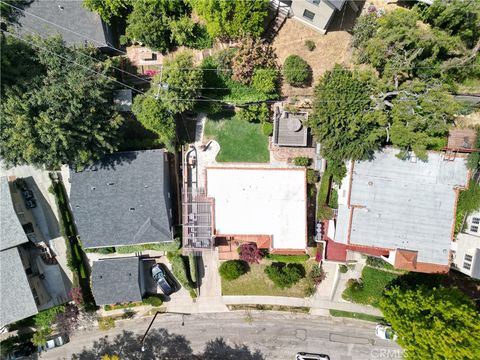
(355, 315)
(240, 141)
(374, 281)
(256, 282)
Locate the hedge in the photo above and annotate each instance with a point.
(170, 246)
(180, 271)
(192, 263)
(267, 129)
(232, 269)
(153, 300)
(297, 259)
(285, 275)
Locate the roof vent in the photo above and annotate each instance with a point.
(61, 7)
(100, 276)
(111, 183)
(132, 209)
(93, 187)
(129, 274)
(370, 183)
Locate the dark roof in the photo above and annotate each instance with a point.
(338, 4)
(290, 129)
(16, 301)
(116, 280)
(49, 17)
(123, 200)
(11, 232)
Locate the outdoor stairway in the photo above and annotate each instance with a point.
(281, 12)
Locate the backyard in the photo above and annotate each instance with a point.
(374, 281)
(256, 282)
(240, 141)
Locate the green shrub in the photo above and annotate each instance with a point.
(102, 250)
(302, 161)
(265, 80)
(310, 45)
(170, 246)
(180, 270)
(51, 190)
(129, 314)
(193, 293)
(105, 324)
(354, 285)
(255, 113)
(343, 269)
(201, 39)
(333, 201)
(311, 176)
(232, 269)
(153, 300)
(377, 262)
(285, 275)
(324, 213)
(267, 129)
(83, 274)
(76, 249)
(107, 307)
(192, 264)
(288, 258)
(296, 71)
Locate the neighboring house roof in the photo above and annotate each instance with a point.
(16, 300)
(260, 201)
(11, 231)
(290, 129)
(406, 259)
(116, 280)
(71, 19)
(462, 139)
(394, 204)
(123, 200)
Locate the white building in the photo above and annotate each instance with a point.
(466, 248)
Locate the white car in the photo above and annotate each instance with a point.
(310, 356)
(53, 342)
(385, 332)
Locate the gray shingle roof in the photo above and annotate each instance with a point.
(50, 17)
(123, 200)
(11, 232)
(16, 300)
(116, 280)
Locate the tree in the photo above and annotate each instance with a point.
(67, 118)
(232, 269)
(108, 9)
(154, 116)
(265, 80)
(252, 55)
(344, 119)
(250, 253)
(182, 30)
(456, 17)
(39, 338)
(68, 319)
(150, 20)
(232, 19)
(255, 113)
(183, 81)
(296, 71)
(285, 276)
(433, 323)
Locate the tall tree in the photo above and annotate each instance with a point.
(345, 120)
(433, 323)
(67, 118)
(149, 22)
(108, 9)
(232, 19)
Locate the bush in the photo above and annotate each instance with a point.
(317, 275)
(311, 176)
(310, 45)
(105, 324)
(354, 285)
(343, 269)
(192, 263)
(103, 250)
(288, 258)
(364, 29)
(255, 113)
(285, 275)
(296, 71)
(108, 307)
(378, 263)
(232, 269)
(250, 253)
(169, 246)
(265, 80)
(129, 314)
(153, 301)
(267, 129)
(302, 161)
(83, 274)
(180, 270)
(251, 55)
(76, 248)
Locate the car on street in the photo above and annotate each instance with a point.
(385, 332)
(21, 352)
(311, 356)
(53, 342)
(162, 278)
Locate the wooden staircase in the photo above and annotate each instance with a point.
(281, 12)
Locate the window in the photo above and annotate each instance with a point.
(474, 228)
(476, 220)
(314, 2)
(468, 257)
(307, 14)
(466, 265)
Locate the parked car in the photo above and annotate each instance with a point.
(163, 279)
(21, 352)
(53, 342)
(385, 332)
(30, 204)
(27, 194)
(310, 356)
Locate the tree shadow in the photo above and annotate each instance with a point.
(161, 344)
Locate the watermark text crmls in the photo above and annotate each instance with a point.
(387, 353)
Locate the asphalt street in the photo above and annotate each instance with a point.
(233, 335)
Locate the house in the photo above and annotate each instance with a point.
(402, 210)
(267, 206)
(466, 247)
(75, 23)
(117, 280)
(316, 13)
(30, 278)
(124, 199)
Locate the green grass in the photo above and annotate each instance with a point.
(298, 259)
(240, 141)
(374, 281)
(355, 315)
(256, 282)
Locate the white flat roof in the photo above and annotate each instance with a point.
(253, 201)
